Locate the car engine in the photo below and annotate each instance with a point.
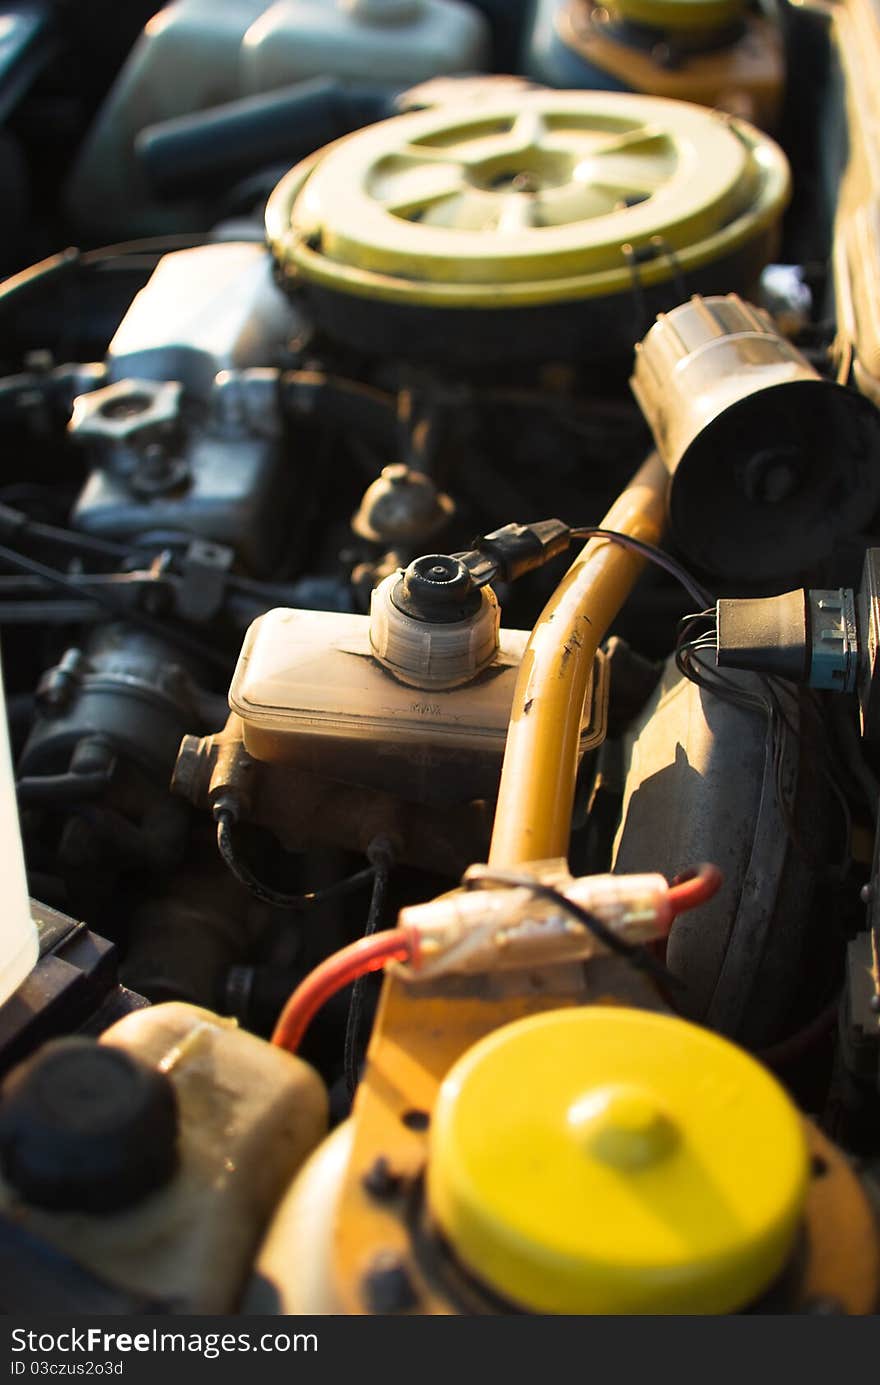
(440, 608)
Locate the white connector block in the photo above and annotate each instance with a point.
(506, 928)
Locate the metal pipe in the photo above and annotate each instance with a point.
(533, 816)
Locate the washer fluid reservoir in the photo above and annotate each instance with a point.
(381, 42)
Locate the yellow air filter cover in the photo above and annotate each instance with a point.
(527, 198)
(605, 1160)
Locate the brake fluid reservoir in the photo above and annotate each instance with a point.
(19, 946)
(311, 693)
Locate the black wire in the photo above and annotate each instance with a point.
(119, 609)
(265, 893)
(383, 860)
(654, 555)
(14, 523)
(68, 261)
(768, 703)
(635, 953)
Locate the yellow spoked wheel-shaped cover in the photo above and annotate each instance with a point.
(532, 198)
(605, 1160)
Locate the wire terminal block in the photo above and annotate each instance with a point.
(504, 928)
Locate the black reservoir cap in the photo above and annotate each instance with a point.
(87, 1127)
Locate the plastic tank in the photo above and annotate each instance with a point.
(311, 694)
(248, 1114)
(197, 54)
(382, 42)
(186, 59)
(18, 933)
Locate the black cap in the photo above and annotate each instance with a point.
(437, 589)
(87, 1127)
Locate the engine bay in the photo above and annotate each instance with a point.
(440, 604)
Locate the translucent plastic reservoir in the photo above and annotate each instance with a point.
(18, 933)
(311, 695)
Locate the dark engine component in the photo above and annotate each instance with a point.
(99, 757)
(771, 463)
(515, 784)
(125, 690)
(709, 780)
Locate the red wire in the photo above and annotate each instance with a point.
(394, 944)
(339, 970)
(693, 887)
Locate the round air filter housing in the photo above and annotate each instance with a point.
(538, 224)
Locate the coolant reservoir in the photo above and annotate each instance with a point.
(19, 946)
(154, 1157)
(194, 55)
(311, 693)
(373, 41)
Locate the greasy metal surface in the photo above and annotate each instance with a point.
(306, 810)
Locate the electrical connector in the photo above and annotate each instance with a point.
(494, 929)
(805, 636)
(514, 550)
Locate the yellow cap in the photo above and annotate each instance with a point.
(604, 1160)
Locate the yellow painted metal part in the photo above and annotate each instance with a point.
(417, 1036)
(416, 1039)
(686, 15)
(533, 816)
(421, 1034)
(606, 1160)
(527, 199)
